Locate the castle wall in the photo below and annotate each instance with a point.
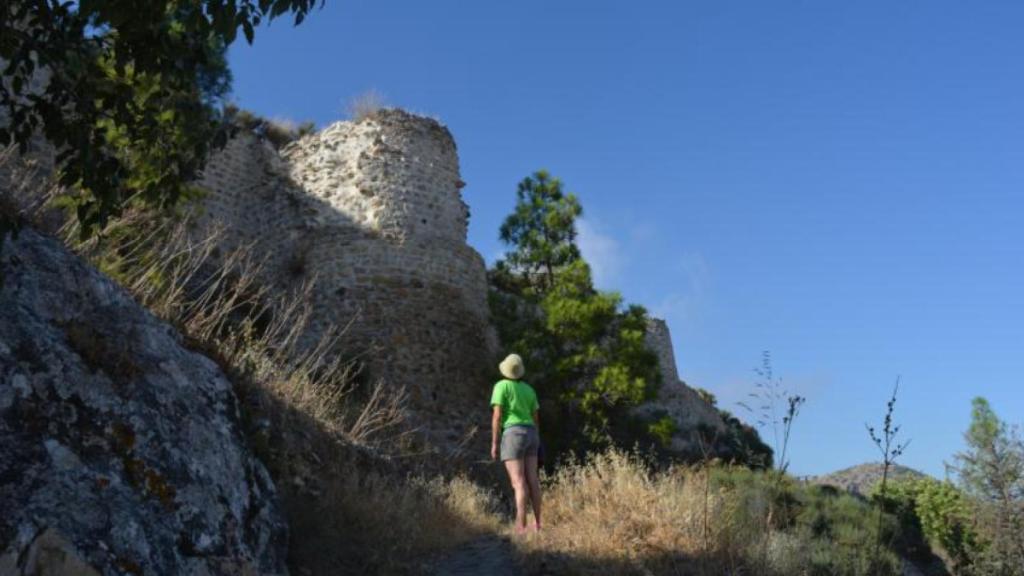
(659, 340)
(677, 400)
(371, 211)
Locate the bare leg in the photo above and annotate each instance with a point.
(533, 483)
(517, 474)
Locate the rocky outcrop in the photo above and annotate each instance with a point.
(120, 450)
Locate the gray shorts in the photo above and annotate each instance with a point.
(518, 442)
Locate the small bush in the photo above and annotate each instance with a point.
(278, 131)
(305, 129)
(662, 429)
(365, 105)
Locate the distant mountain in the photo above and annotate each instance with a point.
(860, 478)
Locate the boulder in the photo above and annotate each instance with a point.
(121, 451)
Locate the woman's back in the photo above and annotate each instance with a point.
(518, 402)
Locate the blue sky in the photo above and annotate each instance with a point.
(841, 183)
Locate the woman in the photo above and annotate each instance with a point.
(517, 421)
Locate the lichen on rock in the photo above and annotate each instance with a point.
(120, 450)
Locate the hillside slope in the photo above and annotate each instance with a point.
(861, 478)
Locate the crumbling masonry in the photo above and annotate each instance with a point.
(372, 212)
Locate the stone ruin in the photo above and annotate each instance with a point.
(683, 404)
(371, 211)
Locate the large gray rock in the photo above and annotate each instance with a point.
(120, 450)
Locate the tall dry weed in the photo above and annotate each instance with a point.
(365, 105)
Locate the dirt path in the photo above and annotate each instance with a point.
(490, 555)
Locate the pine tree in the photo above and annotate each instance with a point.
(991, 470)
(584, 346)
(541, 230)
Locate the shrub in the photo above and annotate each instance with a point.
(743, 445)
(945, 516)
(663, 429)
(841, 527)
(707, 396)
(278, 131)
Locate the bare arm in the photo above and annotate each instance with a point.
(495, 431)
(536, 420)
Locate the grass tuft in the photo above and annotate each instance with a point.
(365, 105)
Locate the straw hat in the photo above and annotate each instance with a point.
(512, 367)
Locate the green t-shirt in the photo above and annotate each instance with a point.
(518, 402)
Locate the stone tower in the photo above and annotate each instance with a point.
(395, 174)
(675, 398)
(372, 211)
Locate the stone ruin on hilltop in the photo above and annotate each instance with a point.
(372, 210)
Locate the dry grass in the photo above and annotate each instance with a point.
(611, 515)
(365, 105)
(614, 515)
(25, 186)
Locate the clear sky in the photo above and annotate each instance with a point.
(841, 183)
